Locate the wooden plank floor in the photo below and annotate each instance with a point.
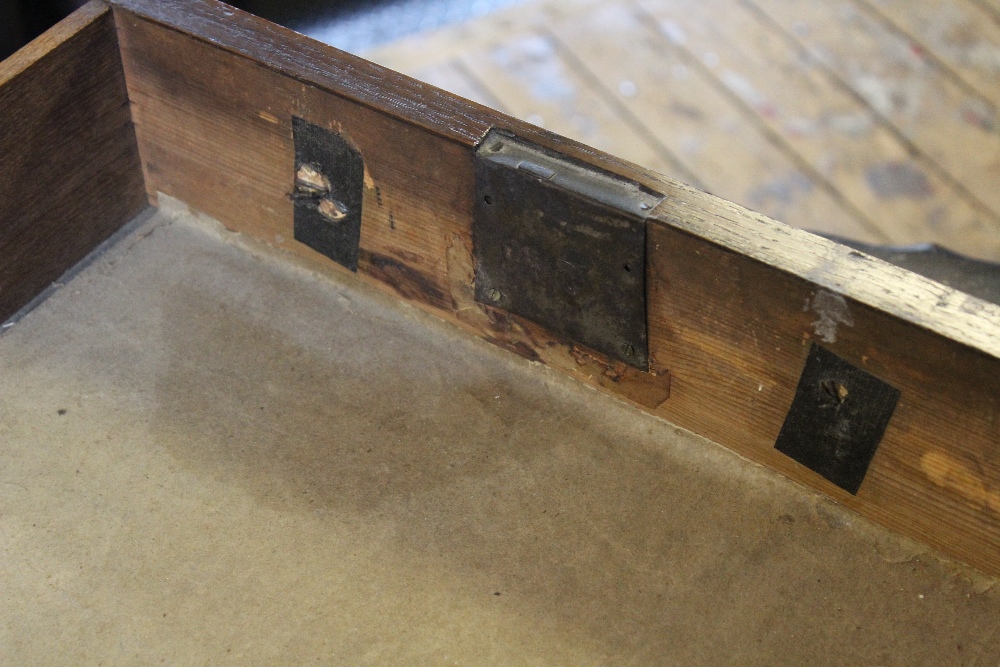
(871, 119)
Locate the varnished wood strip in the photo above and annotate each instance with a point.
(69, 173)
(313, 63)
(20, 61)
(457, 79)
(733, 295)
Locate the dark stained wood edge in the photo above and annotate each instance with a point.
(21, 60)
(356, 79)
(70, 174)
(311, 62)
(735, 300)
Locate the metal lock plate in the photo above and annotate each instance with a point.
(329, 188)
(562, 244)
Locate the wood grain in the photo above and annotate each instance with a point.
(732, 293)
(960, 35)
(735, 334)
(929, 109)
(846, 144)
(70, 173)
(456, 78)
(215, 132)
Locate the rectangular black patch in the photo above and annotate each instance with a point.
(837, 419)
(329, 189)
(562, 244)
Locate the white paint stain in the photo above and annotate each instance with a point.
(743, 87)
(854, 124)
(672, 31)
(833, 311)
(627, 88)
(532, 62)
(800, 126)
(902, 95)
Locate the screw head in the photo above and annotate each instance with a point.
(495, 295)
(628, 350)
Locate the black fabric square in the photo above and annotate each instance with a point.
(837, 419)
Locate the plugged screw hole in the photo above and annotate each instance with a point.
(834, 391)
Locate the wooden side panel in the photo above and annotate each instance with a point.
(735, 334)
(733, 295)
(69, 172)
(215, 131)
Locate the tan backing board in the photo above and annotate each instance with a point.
(69, 173)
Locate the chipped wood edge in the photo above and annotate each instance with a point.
(903, 294)
(21, 60)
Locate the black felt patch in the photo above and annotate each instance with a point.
(329, 154)
(837, 419)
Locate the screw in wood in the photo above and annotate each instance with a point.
(332, 209)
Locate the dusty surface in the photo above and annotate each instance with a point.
(211, 457)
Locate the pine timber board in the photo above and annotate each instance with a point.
(929, 108)
(213, 92)
(960, 35)
(69, 166)
(840, 137)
